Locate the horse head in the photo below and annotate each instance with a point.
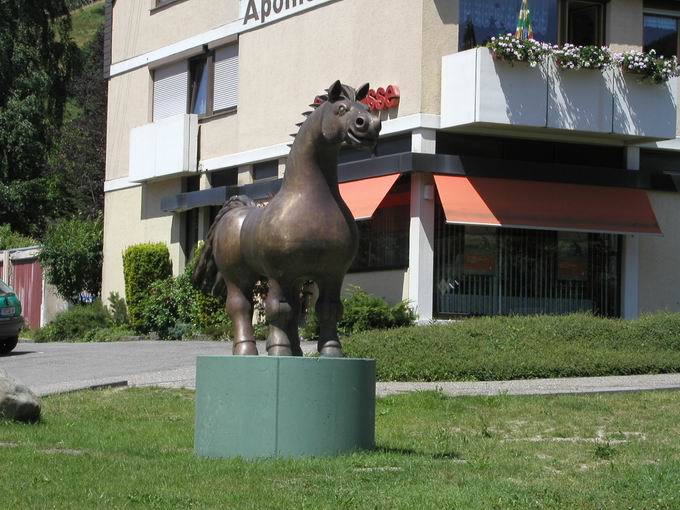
(344, 118)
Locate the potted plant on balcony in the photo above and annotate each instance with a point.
(648, 66)
(509, 48)
(570, 56)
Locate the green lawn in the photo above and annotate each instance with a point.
(86, 21)
(133, 449)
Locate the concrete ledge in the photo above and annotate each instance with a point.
(255, 407)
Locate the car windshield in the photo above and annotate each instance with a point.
(5, 289)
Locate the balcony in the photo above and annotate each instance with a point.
(482, 94)
(165, 148)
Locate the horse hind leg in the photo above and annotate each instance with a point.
(240, 309)
(279, 313)
(328, 312)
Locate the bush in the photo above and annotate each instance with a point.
(110, 334)
(118, 310)
(72, 254)
(174, 309)
(10, 240)
(503, 348)
(363, 312)
(143, 265)
(75, 325)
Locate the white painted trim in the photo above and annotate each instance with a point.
(184, 47)
(665, 145)
(245, 157)
(29, 253)
(409, 123)
(118, 184)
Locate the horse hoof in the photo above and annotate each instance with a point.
(279, 350)
(331, 351)
(246, 348)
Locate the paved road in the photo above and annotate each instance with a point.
(58, 367)
(55, 368)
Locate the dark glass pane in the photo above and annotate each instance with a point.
(266, 170)
(482, 19)
(384, 239)
(584, 23)
(199, 83)
(661, 34)
(489, 271)
(228, 177)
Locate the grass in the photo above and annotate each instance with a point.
(133, 449)
(86, 21)
(504, 348)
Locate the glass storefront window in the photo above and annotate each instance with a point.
(482, 19)
(492, 271)
(661, 34)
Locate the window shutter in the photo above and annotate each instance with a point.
(170, 90)
(226, 78)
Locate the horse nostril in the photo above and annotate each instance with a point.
(360, 121)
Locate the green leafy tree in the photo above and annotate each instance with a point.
(72, 255)
(10, 239)
(36, 57)
(78, 165)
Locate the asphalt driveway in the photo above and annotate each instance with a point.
(58, 367)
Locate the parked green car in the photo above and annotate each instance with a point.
(11, 321)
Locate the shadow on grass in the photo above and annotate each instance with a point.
(409, 452)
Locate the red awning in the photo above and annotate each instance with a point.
(363, 197)
(545, 205)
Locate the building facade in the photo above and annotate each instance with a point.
(494, 189)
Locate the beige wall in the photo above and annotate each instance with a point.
(440, 37)
(284, 65)
(624, 25)
(660, 257)
(133, 216)
(139, 29)
(129, 106)
(390, 285)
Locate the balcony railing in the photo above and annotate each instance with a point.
(165, 148)
(479, 92)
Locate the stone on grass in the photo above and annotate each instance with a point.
(17, 402)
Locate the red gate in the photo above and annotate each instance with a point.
(27, 283)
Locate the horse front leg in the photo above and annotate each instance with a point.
(279, 313)
(328, 313)
(240, 309)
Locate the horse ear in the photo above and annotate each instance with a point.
(362, 91)
(335, 91)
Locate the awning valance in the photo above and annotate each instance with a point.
(363, 197)
(545, 205)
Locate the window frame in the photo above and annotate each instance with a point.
(209, 56)
(563, 20)
(663, 13)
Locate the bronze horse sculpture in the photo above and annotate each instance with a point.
(306, 232)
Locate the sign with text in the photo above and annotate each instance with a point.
(259, 12)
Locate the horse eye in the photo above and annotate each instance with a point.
(342, 109)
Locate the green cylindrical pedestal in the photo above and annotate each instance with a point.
(258, 406)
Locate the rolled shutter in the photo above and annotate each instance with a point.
(170, 90)
(226, 78)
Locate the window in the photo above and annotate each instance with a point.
(190, 219)
(483, 19)
(266, 170)
(384, 239)
(206, 85)
(582, 23)
(491, 271)
(661, 35)
(228, 177)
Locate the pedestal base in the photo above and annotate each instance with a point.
(258, 406)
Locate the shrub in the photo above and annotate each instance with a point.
(502, 348)
(110, 334)
(10, 239)
(363, 312)
(75, 325)
(72, 254)
(118, 310)
(143, 265)
(174, 309)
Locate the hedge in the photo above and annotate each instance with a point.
(143, 265)
(503, 348)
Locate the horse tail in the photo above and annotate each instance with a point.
(206, 276)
